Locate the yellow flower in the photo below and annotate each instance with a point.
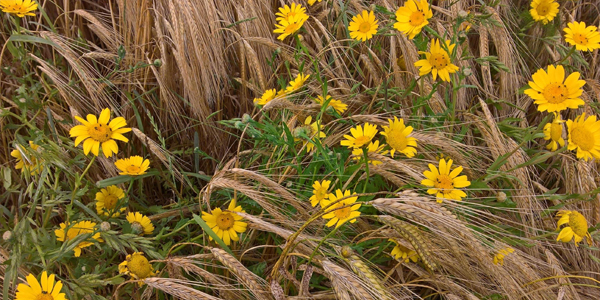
(140, 223)
(226, 224)
(576, 229)
(266, 97)
(98, 131)
(397, 136)
(359, 136)
(437, 61)
(338, 105)
(544, 10)
(412, 17)
(20, 8)
(68, 232)
(289, 26)
(552, 92)
(297, 83)
(287, 13)
(402, 253)
(107, 200)
(26, 159)
(311, 2)
(137, 266)
(584, 136)
(363, 26)
(553, 132)
(445, 184)
(372, 148)
(342, 211)
(45, 289)
(499, 257)
(134, 165)
(320, 192)
(582, 37)
(312, 131)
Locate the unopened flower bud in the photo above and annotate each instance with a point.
(463, 14)
(7, 236)
(467, 71)
(157, 62)
(104, 226)
(501, 197)
(246, 118)
(347, 251)
(300, 132)
(137, 228)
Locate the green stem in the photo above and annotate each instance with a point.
(366, 155)
(567, 56)
(78, 182)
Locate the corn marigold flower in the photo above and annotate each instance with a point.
(552, 92)
(397, 136)
(338, 105)
(372, 148)
(266, 97)
(289, 26)
(320, 192)
(97, 131)
(582, 37)
(140, 223)
(20, 8)
(134, 165)
(287, 13)
(311, 130)
(445, 184)
(311, 2)
(584, 136)
(137, 266)
(46, 289)
(576, 229)
(70, 231)
(553, 132)
(226, 225)
(363, 26)
(26, 161)
(107, 200)
(402, 253)
(297, 83)
(437, 61)
(360, 136)
(499, 257)
(544, 10)
(412, 17)
(341, 211)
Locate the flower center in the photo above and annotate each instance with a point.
(110, 201)
(555, 131)
(343, 213)
(291, 14)
(133, 169)
(225, 221)
(582, 138)
(578, 223)
(292, 28)
(580, 39)
(416, 18)
(364, 27)
(556, 93)
(543, 9)
(44, 296)
(361, 140)
(139, 266)
(438, 60)
(100, 132)
(321, 193)
(397, 140)
(444, 183)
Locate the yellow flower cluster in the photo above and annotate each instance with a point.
(290, 20)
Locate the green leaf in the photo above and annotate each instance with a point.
(122, 179)
(212, 234)
(31, 39)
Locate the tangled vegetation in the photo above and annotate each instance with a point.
(319, 149)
